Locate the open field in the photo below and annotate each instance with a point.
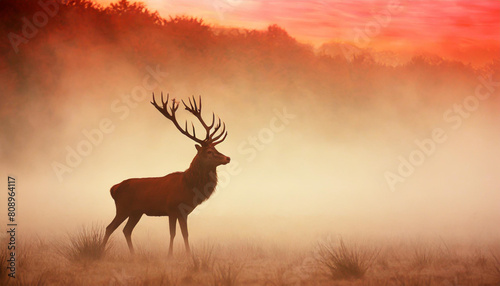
(75, 259)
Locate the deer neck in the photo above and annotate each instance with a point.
(200, 177)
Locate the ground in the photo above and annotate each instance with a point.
(76, 259)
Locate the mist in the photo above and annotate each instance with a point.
(317, 141)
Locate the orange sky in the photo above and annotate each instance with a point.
(412, 22)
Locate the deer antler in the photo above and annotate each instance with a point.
(195, 109)
(172, 118)
(211, 137)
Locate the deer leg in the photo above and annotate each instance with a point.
(131, 223)
(184, 230)
(119, 218)
(172, 221)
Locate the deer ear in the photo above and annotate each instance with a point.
(198, 147)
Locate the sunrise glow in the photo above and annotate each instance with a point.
(455, 28)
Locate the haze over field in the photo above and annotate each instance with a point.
(398, 136)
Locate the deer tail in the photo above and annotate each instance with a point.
(113, 190)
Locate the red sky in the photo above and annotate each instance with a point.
(449, 25)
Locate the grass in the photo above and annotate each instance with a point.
(237, 262)
(203, 258)
(3, 265)
(41, 280)
(479, 259)
(85, 245)
(342, 261)
(495, 266)
(423, 256)
(279, 277)
(160, 279)
(413, 280)
(226, 273)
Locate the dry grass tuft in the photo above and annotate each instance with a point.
(226, 274)
(279, 277)
(422, 257)
(203, 259)
(85, 245)
(345, 262)
(479, 259)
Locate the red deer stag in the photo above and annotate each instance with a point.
(177, 194)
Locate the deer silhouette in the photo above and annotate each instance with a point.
(177, 194)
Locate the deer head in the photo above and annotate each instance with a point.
(207, 154)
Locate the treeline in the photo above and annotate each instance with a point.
(130, 32)
(45, 42)
(37, 35)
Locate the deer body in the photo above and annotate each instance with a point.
(151, 196)
(175, 195)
